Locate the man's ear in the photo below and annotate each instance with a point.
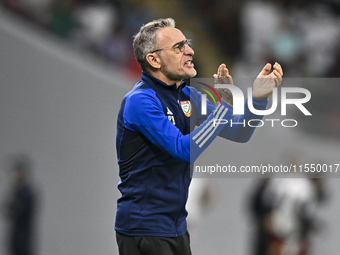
(153, 60)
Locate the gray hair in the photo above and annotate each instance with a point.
(145, 40)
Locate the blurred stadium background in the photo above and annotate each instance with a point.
(65, 66)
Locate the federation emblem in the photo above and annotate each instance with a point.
(186, 107)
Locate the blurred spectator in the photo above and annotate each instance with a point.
(260, 208)
(135, 14)
(201, 201)
(116, 48)
(321, 36)
(333, 118)
(37, 9)
(223, 19)
(20, 209)
(335, 69)
(260, 21)
(302, 35)
(16, 6)
(62, 21)
(96, 20)
(285, 45)
(202, 196)
(291, 215)
(103, 27)
(285, 210)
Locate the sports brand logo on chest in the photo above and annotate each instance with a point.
(170, 115)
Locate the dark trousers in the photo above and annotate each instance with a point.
(153, 245)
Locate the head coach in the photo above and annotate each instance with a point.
(157, 141)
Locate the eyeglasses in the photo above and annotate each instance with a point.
(178, 47)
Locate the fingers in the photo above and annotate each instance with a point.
(222, 76)
(265, 70)
(278, 73)
(278, 68)
(277, 78)
(222, 71)
(215, 78)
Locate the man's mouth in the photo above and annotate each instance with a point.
(189, 63)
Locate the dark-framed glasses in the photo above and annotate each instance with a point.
(178, 47)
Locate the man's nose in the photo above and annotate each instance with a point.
(188, 50)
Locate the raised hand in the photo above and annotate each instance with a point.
(223, 77)
(265, 81)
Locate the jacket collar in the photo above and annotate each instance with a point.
(160, 84)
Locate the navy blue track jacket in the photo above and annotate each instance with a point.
(156, 142)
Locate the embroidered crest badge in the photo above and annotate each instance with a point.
(186, 107)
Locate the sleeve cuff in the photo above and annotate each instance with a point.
(260, 104)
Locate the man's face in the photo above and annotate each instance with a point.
(175, 65)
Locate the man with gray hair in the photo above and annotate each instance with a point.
(157, 142)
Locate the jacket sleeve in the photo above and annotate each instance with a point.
(144, 113)
(236, 128)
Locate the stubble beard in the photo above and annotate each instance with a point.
(176, 77)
